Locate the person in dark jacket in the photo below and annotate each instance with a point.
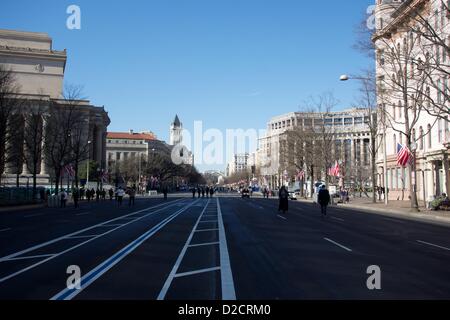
(75, 196)
(193, 192)
(324, 199)
(284, 199)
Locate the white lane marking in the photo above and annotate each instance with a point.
(112, 225)
(433, 245)
(105, 266)
(281, 217)
(338, 219)
(173, 272)
(338, 244)
(34, 215)
(209, 221)
(203, 244)
(31, 257)
(7, 229)
(210, 215)
(86, 236)
(228, 292)
(82, 214)
(77, 233)
(67, 250)
(205, 230)
(190, 273)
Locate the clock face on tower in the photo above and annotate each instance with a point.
(39, 68)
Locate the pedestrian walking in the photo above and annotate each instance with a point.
(193, 193)
(75, 196)
(198, 191)
(283, 200)
(203, 192)
(207, 191)
(165, 192)
(111, 193)
(211, 192)
(323, 199)
(132, 195)
(120, 195)
(63, 198)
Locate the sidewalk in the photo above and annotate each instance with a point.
(394, 208)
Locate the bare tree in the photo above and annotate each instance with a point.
(10, 105)
(33, 115)
(402, 89)
(368, 102)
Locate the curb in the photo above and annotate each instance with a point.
(393, 212)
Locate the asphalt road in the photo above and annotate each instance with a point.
(220, 248)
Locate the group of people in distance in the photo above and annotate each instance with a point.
(323, 198)
(99, 194)
(201, 191)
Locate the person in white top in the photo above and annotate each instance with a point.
(120, 195)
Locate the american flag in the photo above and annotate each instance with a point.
(68, 170)
(300, 175)
(404, 156)
(334, 171)
(105, 176)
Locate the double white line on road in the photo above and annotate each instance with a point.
(97, 272)
(69, 236)
(226, 275)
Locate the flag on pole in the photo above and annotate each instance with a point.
(68, 170)
(334, 171)
(300, 175)
(404, 156)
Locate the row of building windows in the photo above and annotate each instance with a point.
(320, 122)
(126, 141)
(126, 155)
(443, 135)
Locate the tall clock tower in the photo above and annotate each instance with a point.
(176, 129)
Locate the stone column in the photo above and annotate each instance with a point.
(352, 152)
(43, 155)
(446, 178)
(25, 151)
(363, 153)
(99, 144)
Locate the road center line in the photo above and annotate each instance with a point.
(281, 217)
(433, 245)
(338, 244)
(97, 272)
(338, 219)
(228, 292)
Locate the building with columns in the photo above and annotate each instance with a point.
(38, 72)
(350, 134)
(398, 31)
(123, 146)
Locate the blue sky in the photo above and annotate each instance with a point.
(229, 63)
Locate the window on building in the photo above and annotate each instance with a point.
(440, 130)
(118, 156)
(446, 130)
(109, 141)
(358, 120)
(395, 144)
(348, 121)
(421, 138)
(329, 122)
(429, 136)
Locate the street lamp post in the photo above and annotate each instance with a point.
(87, 166)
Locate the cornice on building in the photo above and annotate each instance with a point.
(402, 13)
